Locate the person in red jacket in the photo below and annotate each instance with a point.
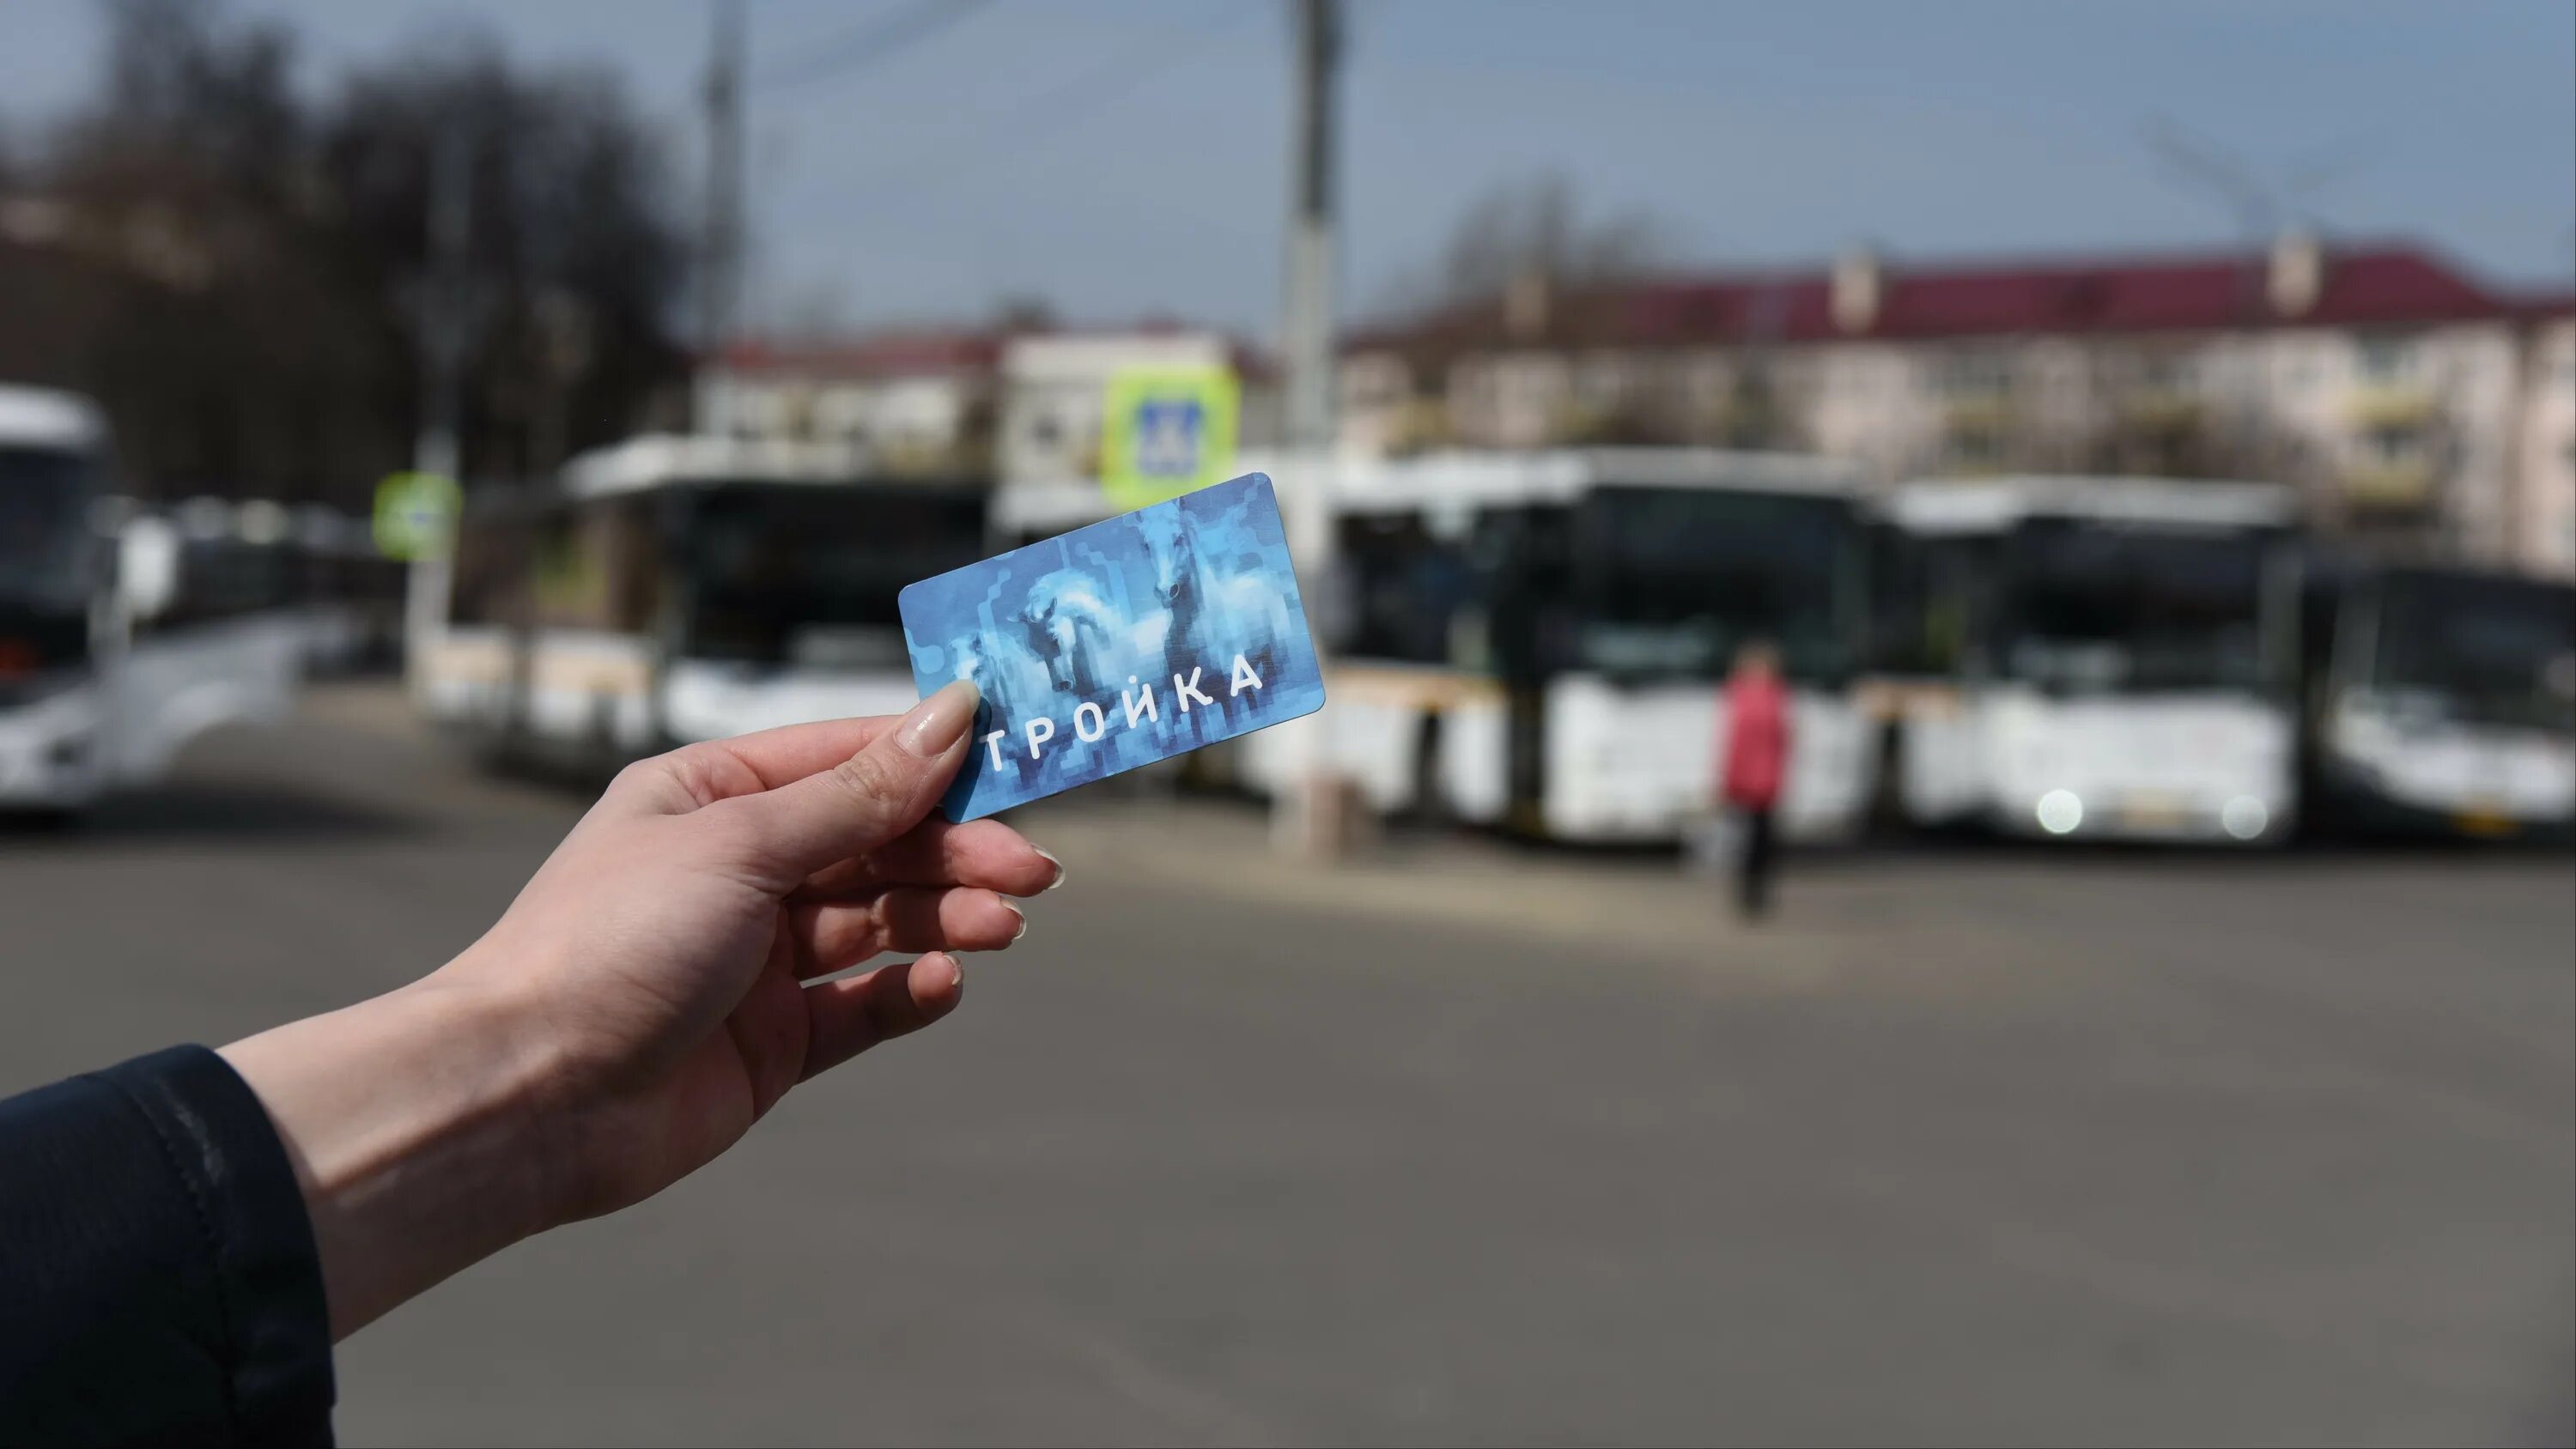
(1756, 762)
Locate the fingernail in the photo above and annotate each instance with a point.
(950, 971)
(938, 722)
(1049, 857)
(1021, 916)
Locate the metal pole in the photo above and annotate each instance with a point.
(1307, 819)
(444, 322)
(720, 241)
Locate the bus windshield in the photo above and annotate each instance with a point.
(2485, 650)
(45, 549)
(2097, 606)
(807, 575)
(1673, 581)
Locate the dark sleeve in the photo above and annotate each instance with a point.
(158, 1281)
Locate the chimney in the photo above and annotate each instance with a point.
(2297, 276)
(1859, 286)
(1525, 303)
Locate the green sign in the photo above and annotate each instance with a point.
(1169, 430)
(416, 514)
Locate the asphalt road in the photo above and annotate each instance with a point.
(1466, 1144)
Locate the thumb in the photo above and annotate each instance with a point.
(869, 798)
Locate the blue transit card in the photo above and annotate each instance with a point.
(1132, 640)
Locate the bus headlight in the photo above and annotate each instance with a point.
(2060, 811)
(2244, 817)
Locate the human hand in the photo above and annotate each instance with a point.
(644, 1000)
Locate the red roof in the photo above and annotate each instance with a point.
(937, 351)
(2391, 286)
(883, 354)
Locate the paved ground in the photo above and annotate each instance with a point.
(1468, 1144)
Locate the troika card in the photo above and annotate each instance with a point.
(1132, 640)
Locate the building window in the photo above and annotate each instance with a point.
(2384, 360)
(1978, 372)
(2393, 447)
(2169, 374)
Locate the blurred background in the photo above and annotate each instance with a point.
(2146, 437)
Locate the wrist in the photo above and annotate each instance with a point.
(417, 1126)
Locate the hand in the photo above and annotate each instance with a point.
(643, 1001)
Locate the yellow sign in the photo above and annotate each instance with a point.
(416, 515)
(1168, 430)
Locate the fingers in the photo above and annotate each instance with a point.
(846, 1017)
(860, 803)
(983, 853)
(695, 776)
(836, 935)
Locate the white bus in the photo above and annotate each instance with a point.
(2113, 657)
(2442, 700)
(123, 635)
(1537, 641)
(671, 589)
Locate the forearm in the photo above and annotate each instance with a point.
(411, 1123)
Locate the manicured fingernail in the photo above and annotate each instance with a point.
(938, 722)
(1049, 857)
(950, 973)
(1019, 915)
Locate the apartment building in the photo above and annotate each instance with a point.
(1025, 405)
(2406, 399)
(918, 401)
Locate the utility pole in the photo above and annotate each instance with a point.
(445, 322)
(1309, 816)
(720, 239)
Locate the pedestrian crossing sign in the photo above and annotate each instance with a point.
(1169, 430)
(416, 515)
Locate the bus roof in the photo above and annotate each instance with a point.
(39, 417)
(661, 460)
(1989, 505)
(1565, 474)
(1050, 505)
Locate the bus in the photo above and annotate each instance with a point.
(2441, 700)
(55, 602)
(124, 634)
(1026, 512)
(353, 593)
(670, 589)
(2112, 658)
(1537, 641)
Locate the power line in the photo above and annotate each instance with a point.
(879, 40)
(1074, 100)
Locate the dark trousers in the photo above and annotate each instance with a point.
(1754, 855)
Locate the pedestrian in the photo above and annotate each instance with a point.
(1755, 763)
(184, 1236)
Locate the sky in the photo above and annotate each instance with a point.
(1124, 158)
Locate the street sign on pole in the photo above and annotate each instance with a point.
(1168, 430)
(416, 515)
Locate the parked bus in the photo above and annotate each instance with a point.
(123, 635)
(2441, 700)
(671, 589)
(353, 593)
(1031, 512)
(2098, 657)
(1537, 641)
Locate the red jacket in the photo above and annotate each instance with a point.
(1757, 742)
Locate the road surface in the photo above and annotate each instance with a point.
(1464, 1143)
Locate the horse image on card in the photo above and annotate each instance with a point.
(1116, 645)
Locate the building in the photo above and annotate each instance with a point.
(1025, 405)
(2406, 400)
(917, 401)
(1055, 393)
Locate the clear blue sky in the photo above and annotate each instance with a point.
(980, 163)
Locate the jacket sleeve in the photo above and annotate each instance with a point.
(158, 1281)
